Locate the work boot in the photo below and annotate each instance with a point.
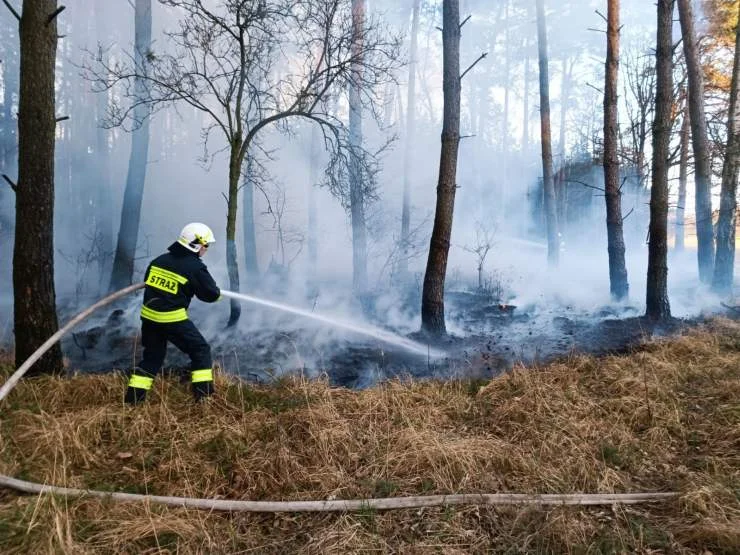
(134, 396)
(139, 382)
(202, 390)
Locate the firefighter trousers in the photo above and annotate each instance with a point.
(186, 337)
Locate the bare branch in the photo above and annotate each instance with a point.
(627, 214)
(10, 182)
(56, 12)
(12, 10)
(465, 21)
(471, 66)
(63, 118)
(601, 15)
(585, 184)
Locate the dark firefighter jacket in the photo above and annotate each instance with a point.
(171, 281)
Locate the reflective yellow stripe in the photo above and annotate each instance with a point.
(205, 375)
(168, 274)
(164, 317)
(140, 382)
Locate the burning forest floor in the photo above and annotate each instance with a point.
(663, 418)
(486, 338)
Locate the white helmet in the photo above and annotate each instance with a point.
(195, 235)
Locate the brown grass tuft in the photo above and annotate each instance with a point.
(666, 418)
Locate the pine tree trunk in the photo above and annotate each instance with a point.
(251, 263)
(403, 265)
(357, 200)
(35, 317)
(232, 265)
(702, 161)
(525, 122)
(564, 92)
(683, 173)
(553, 242)
(313, 239)
(128, 234)
(8, 126)
(505, 188)
(432, 303)
(8, 130)
(104, 200)
(657, 304)
(722, 279)
(619, 286)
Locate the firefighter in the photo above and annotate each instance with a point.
(171, 281)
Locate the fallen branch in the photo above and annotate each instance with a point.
(343, 505)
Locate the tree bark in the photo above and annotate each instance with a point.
(251, 263)
(683, 172)
(657, 304)
(619, 285)
(8, 126)
(232, 265)
(357, 200)
(403, 265)
(128, 234)
(702, 161)
(525, 118)
(432, 303)
(505, 130)
(104, 200)
(722, 279)
(553, 242)
(35, 317)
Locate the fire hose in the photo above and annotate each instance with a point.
(334, 505)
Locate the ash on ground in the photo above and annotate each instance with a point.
(486, 339)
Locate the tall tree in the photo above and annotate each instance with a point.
(409, 140)
(128, 234)
(9, 58)
(432, 302)
(355, 174)
(35, 317)
(251, 65)
(553, 242)
(683, 173)
(251, 262)
(104, 200)
(657, 304)
(725, 262)
(9, 68)
(525, 101)
(702, 160)
(619, 284)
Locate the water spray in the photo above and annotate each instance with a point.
(370, 331)
(377, 333)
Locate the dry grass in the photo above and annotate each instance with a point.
(664, 418)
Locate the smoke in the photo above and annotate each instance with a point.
(499, 174)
